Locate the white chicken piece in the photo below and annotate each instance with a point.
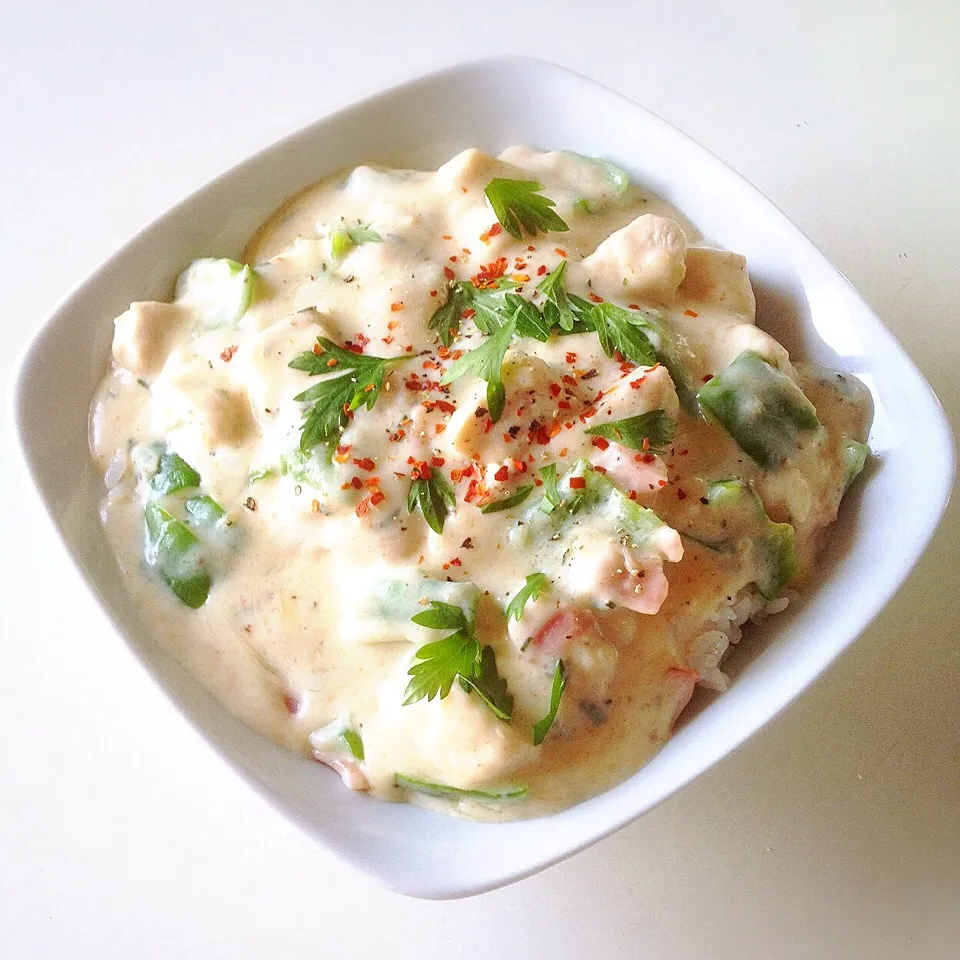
(719, 277)
(144, 334)
(644, 259)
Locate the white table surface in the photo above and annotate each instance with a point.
(833, 833)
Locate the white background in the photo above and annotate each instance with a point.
(833, 833)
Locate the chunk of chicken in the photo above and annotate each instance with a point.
(719, 277)
(646, 259)
(144, 334)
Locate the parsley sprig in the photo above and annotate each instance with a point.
(622, 332)
(519, 206)
(530, 590)
(652, 431)
(542, 727)
(557, 310)
(355, 381)
(486, 362)
(457, 657)
(432, 492)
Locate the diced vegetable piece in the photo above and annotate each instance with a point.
(205, 511)
(615, 186)
(383, 613)
(761, 408)
(173, 473)
(176, 555)
(220, 289)
(338, 737)
(314, 468)
(855, 456)
(736, 509)
(446, 792)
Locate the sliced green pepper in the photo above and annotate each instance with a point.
(176, 555)
(761, 408)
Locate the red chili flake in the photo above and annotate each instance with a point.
(648, 458)
(571, 357)
(600, 443)
(594, 297)
(563, 452)
(507, 438)
(456, 562)
(433, 293)
(488, 426)
(431, 365)
(589, 412)
(393, 324)
(638, 383)
(568, 380)
(227, 355)
(398, 436)
(332, 362)
(318, 350)
(364, 463)
(447, 236)
(362, 340)
(438, 428)
(356, 483)
(646, 443)
(633, 306)
(560, 251)
(531, 249)
(363, 507)
(291, 703)
(314, 506)
(471, 491)
(448, 273)
(681, 495)
(466, 250)
(554, 389)
(661, 483)
(409, 349)
(564, 404)
(519, 466)
(437, 461)
(599, 469)
(489, 273)
(683, 453)
(468, 314)
(376, 498)
(484, 237)
(343, 453)
(707, 378)
(578, 483)
(495, 229)
(569, 424)
(632, 495)
(372, 482)
(456, 355)
(396, 307)
(443, 352)
(690, 313)
(501, 474)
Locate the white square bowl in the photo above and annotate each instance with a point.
(802, 300)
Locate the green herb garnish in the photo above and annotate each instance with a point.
(542, 727)
(519, 206)
(356, 381)
(486, 362)
(432, 789)
(433, 494)
(653, 431)
(557, 310)
(535, 582)
(551, 495)
(621, 332)
(457, 656)
(515, 499)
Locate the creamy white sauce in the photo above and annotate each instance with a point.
(295, 635)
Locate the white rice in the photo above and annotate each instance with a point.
(724, 627)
